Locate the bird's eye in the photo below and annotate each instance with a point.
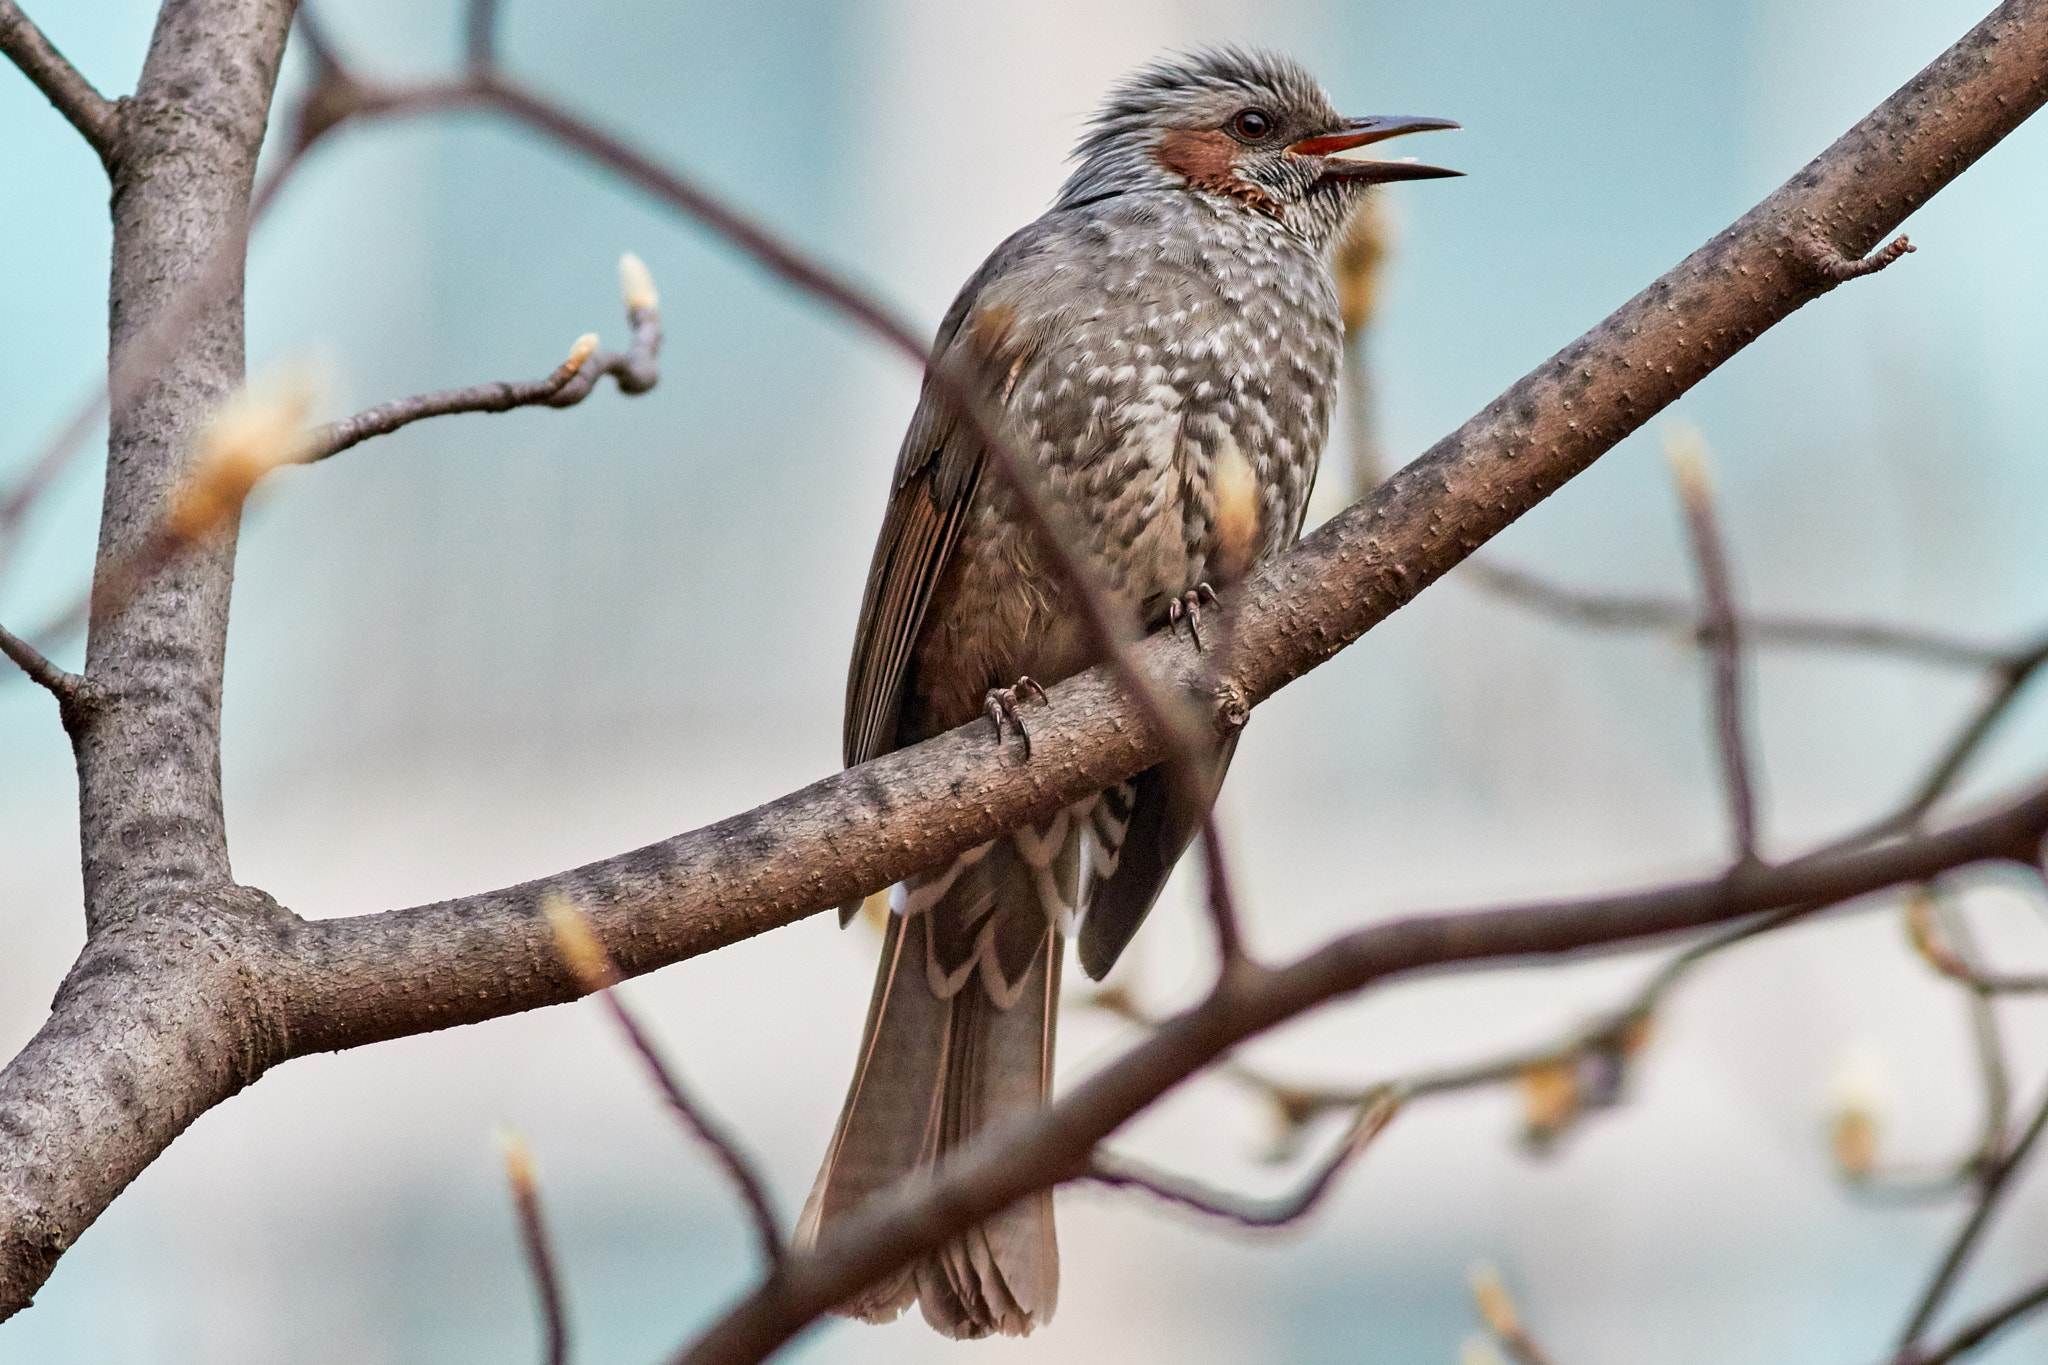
(1252, 124)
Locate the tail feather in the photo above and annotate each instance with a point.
(960, 1037)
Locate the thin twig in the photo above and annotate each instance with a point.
(97, 118)
(1503, 1319)
(1221, 902)
(571, 382)
(1930, 925)
(1981, 1329)
(480, 34)
(1995, 1184)
(1108, 636)
(1719, 630)
(540, 1256)
(581, 950)
(1825, 260)
(1615, 612)
(1370, 1120)
(60, 684)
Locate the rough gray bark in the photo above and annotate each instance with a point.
(159, 1020)
(191, 987)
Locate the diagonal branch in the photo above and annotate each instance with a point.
(1981, 1329)
(539, 1248)
(1989, 1196)
(61, 685)
(343, 983)
(97, 118)
(1719, 630)
(1057, 1145)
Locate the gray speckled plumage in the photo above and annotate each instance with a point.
(1169, 327)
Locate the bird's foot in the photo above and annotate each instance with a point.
(1002, 704)
(1188, 606)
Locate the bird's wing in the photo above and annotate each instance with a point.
(937, 471)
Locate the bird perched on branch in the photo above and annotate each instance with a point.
(1163, 345)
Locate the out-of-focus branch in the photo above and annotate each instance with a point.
(1358, 265)
(1718, 629)
(1497, 1310)
(571, 382)
(97, 118)
(584, 954)
(540, 1255)
(1989, 1195)
(1612, 612)
(1370, 1119)
(1057, 1145)
(1980, 1330)
(1930, 940)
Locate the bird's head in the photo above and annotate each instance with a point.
(1247, 125)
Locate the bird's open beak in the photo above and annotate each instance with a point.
(1376, 128)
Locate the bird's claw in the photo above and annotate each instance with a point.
(1002, 704)
(1189, 606)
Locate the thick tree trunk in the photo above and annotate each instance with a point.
(160, 1019)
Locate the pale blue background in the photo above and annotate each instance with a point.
(490, 647)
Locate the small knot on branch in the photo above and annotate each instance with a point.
(1831, 264)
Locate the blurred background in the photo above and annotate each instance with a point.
(491, 647)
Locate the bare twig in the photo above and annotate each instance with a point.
(1614, 612)
(1989, 1194)
(570, 383)
(540, 1256)
(1979, 1330)
(1370, 1120)
(480, 35)
(97, 118)
(1718, 629)
(1220, 900)
(584, 953)
(1828, 261)
(1497, 1309)
(1930, 928)
(60, 684)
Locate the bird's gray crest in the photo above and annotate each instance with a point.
(1117, 154)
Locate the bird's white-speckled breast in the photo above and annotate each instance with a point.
(1167, 328)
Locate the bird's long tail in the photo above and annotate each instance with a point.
(960, 1037)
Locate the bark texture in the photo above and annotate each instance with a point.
(159, 1019)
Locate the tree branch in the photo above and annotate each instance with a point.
(1989, 1196)
(1373, 1115)
(1980, 1330)
(60, 684)
(540, 1254)
(1056, 1146)
(1615, 612)
(595, 972)
(97, 119)
(1724, 643)
(301, 987)
(569, 384)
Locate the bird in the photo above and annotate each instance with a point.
(1163, 346)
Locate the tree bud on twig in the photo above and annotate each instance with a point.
(1859, 1101)
(636, 284)
(581, 350)
(251, 435)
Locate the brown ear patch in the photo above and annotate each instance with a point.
(1207, 159)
